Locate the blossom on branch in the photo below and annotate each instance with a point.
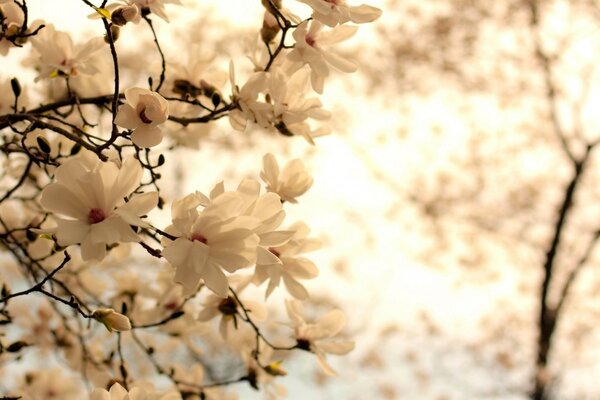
(337, 12)
(143, 111)
(58, 56)
(209, 241)
(112, 320)
(289, 183)
(12, 18)
(291, 108)
(154, 6)
(282, 262)
(249, 107)
(318, 337)
(87, 199)
(311, 48)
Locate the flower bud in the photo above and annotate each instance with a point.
(112, 320)
(123, 15)
(16, 87)
(115, 32)
(270, 28)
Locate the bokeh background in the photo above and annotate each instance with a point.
(437, 195)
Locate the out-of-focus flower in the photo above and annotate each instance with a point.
(209, 241)
(112, 320)
(11, 24)
(139, 392)
(311, 48)
(290, 105)
(289, 183)
(143, 111)
(250, 109)
(58, 56)
(318, 337)
(50, 384)
(283, 263)
(334, 12)
(90, 195)
(154, 6)
(228, 308)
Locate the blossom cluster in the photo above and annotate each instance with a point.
(132, 279)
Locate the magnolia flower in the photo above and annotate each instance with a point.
(290, 106)
(209, 241)
(112, 320)
(89, 194)
(154, 6)
(311, 48)
(250, 109)
(50, 384)
(228, 309)
(334, 12)
(291, 182)
(145, 392)
(197, 77)
(282, 263)
(142, 112)
(318, 337)
(13, 18)
(58, 56)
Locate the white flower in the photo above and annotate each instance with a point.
(290, 105)
(291, 182)
(142, 112)
(13, 20)
(228, 308)
(197, 78)
(334, 12)
(317, 337)
(155, 6)
(139, 392)
(58, 56)
(311, 48)
(89, 194)
(112, 320)
(209, 241)
(281, 262)
(250, 109)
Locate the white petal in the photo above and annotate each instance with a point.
(127, 117)
(216, 280)
(146, 136)
(338, 348)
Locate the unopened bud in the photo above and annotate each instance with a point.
(123, 15)
(43, 144)
(270, 28)
(112, 320)
(115, 32)
(16, 86)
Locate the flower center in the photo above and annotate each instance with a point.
(197, 237)
(310, 41)
(144, 117)
(228, 306)
(274, 252)
(96, 215)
